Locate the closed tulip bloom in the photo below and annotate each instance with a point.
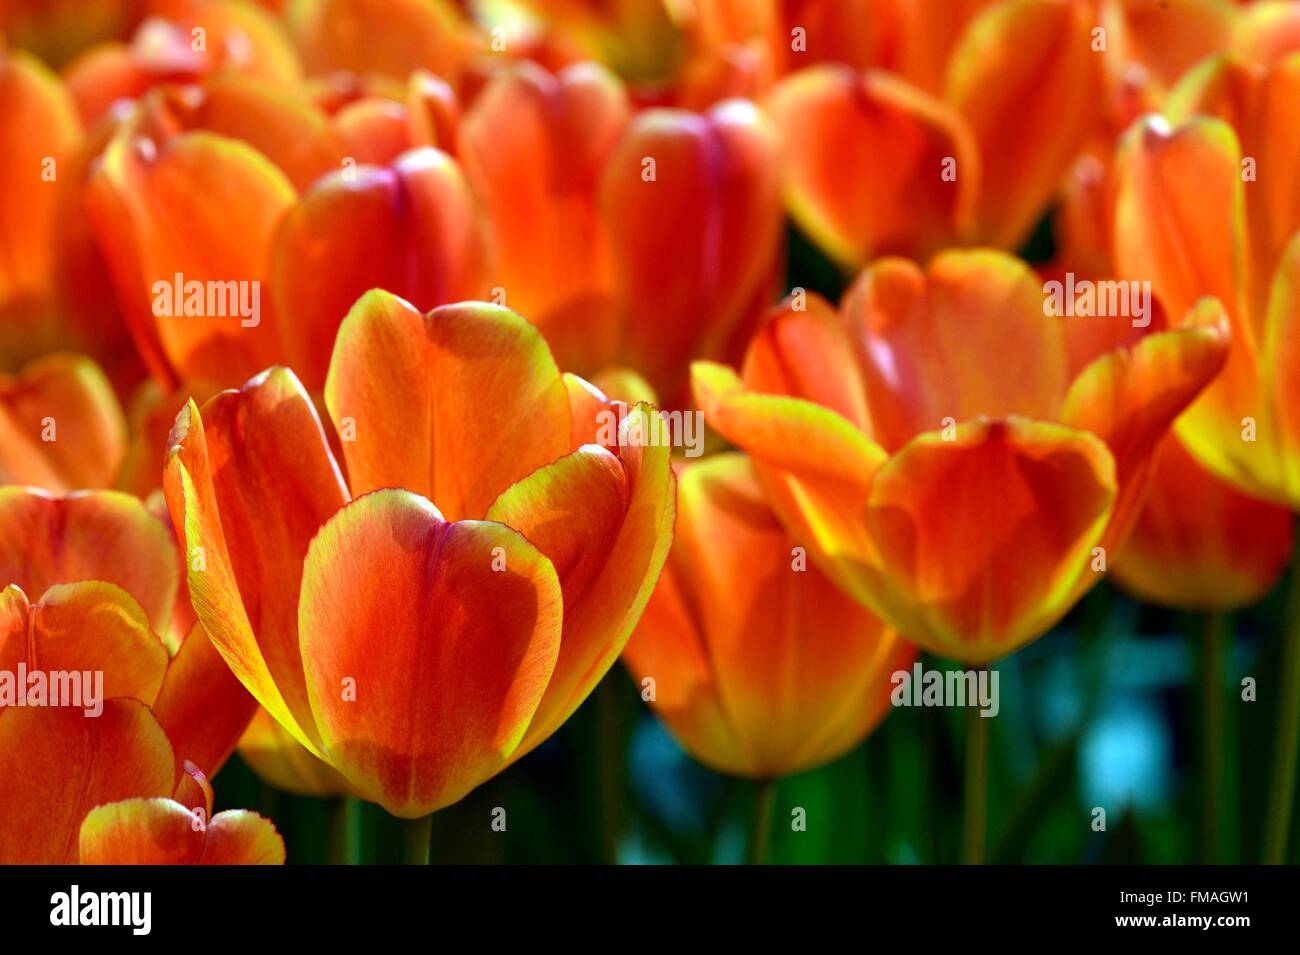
(693, 210)
(1236, 239)
(933, 449)
(761, 667)
(534, 147)
(1201, 544)
(445, 609)
(39, 131)
(855, 199)
(61, 427)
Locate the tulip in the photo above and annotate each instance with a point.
(502, 537)
(298, 244)
(932, 450)
(1199, 543)
(104, 570)
(61, 427)
(1223, 173)
(39, 130)
(592, 211)
(103, 553)
(760, 666)
(389, 37)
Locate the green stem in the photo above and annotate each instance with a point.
(415, 840)
(760, 827)
(1213, 645)
(345, 831)
(975, 795)
(610, 770)
(1281, 796)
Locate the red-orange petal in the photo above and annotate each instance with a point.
(967, 336)
(202, 705)
(187, 229)
(264, 452)
(1199, 543)
(694, 247)
(534, 146)
(101, 535)
(1026, 79)
(471, 629)
(855, 199)
(61, 427)
(413, 228)
(605, 522)
(56, 765)
(455, 405)
(984, 536)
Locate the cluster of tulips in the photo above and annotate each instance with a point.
(314, 315)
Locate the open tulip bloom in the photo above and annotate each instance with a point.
(377, 376)
(443, 610)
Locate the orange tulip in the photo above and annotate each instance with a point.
(932, 449)
(644, 242)
(106, 571)
(39, 131)
(197, 39)
(527, 576)
(388, 37)
(534, 147)
(1199, 543)
(297, 259)
(896, 200)
(693, 213)
(161, 700)
(164, 832)
(1236, 240)
(61, 427)
(761, 667)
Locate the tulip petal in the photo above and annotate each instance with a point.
(469, 401)
(101, 535)
(803, 351)
(1026, 79)
(534, 146)
(255, 452)
(605, 523)
(424, 687)
(897, 200)
(187, 230)
(1131, 398)
(56, 765)
(1199, 543)
(968, 336)
(202, 705)
(985, 535)
(96, 627)
(412, 228)
(61, 427)
(799, 667)
(240, 837)
(38, 129)
(391, 37)
(693, 210)
(141, 832)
